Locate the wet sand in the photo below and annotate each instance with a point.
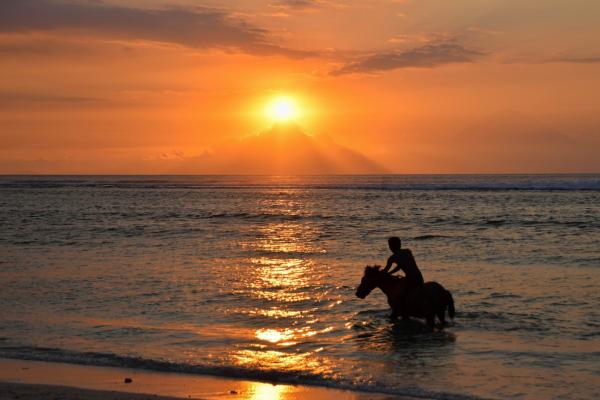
(14, 391)
(37, 380)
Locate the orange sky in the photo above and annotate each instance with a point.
(406, 86)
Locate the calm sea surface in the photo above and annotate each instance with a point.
(254, 277)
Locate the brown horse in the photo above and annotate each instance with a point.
(426, 301)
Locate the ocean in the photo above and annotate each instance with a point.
(255, 277)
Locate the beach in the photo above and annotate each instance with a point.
(13, 391)
(34, 380)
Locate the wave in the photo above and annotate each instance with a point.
(271, 376)
(429, 237)
(358, 182)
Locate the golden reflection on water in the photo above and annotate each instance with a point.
(287, 336)
(266, 391)
(274, 335)
(280, 281)
(277, 360)
(276, 312)
(282, 278)
(284, 238)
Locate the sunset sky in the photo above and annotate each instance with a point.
(403, 86)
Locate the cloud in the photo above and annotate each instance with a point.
(19, 100)
(580, 60)
(428, 56)
(299, 5)
(197, 28)
(312, 5)
(26, 44)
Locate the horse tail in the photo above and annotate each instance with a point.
(450, 300)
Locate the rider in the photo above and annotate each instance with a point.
(405, 261)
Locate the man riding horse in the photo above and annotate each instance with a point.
(407, 296)
(405, 261)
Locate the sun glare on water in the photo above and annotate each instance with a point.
(282, 109)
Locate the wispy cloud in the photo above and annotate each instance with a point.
(427, 56)
(296, 4)
(196, 28)
(9, 97)
(580, 60)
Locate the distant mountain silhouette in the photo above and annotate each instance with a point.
(509, 141)
(285, 149)
(512, 129)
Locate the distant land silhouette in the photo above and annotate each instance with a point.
(524, 143)
(283, 149)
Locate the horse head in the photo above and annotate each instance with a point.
(369, 281)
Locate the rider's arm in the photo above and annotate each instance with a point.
(388, 264)
(395, 269)
(396, 260)
(392, 260)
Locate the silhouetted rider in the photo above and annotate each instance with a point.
(405, 261)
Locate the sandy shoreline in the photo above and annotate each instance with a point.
(20, 391)
(37, 380)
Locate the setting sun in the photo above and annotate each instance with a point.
(282, 109)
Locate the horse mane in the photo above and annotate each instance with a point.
(377, 268)
(370, 268)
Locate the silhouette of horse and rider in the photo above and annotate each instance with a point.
(408, 296)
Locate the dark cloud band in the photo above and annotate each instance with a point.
(428, 56)
(197, 28)
(296, 4)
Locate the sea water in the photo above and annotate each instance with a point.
(255, 277)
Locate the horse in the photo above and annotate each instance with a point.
(427, 301)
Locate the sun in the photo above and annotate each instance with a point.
(282, 109)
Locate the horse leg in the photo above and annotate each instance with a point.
(441, 314)
(430, 318)
(405, 312)
(405, 308)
